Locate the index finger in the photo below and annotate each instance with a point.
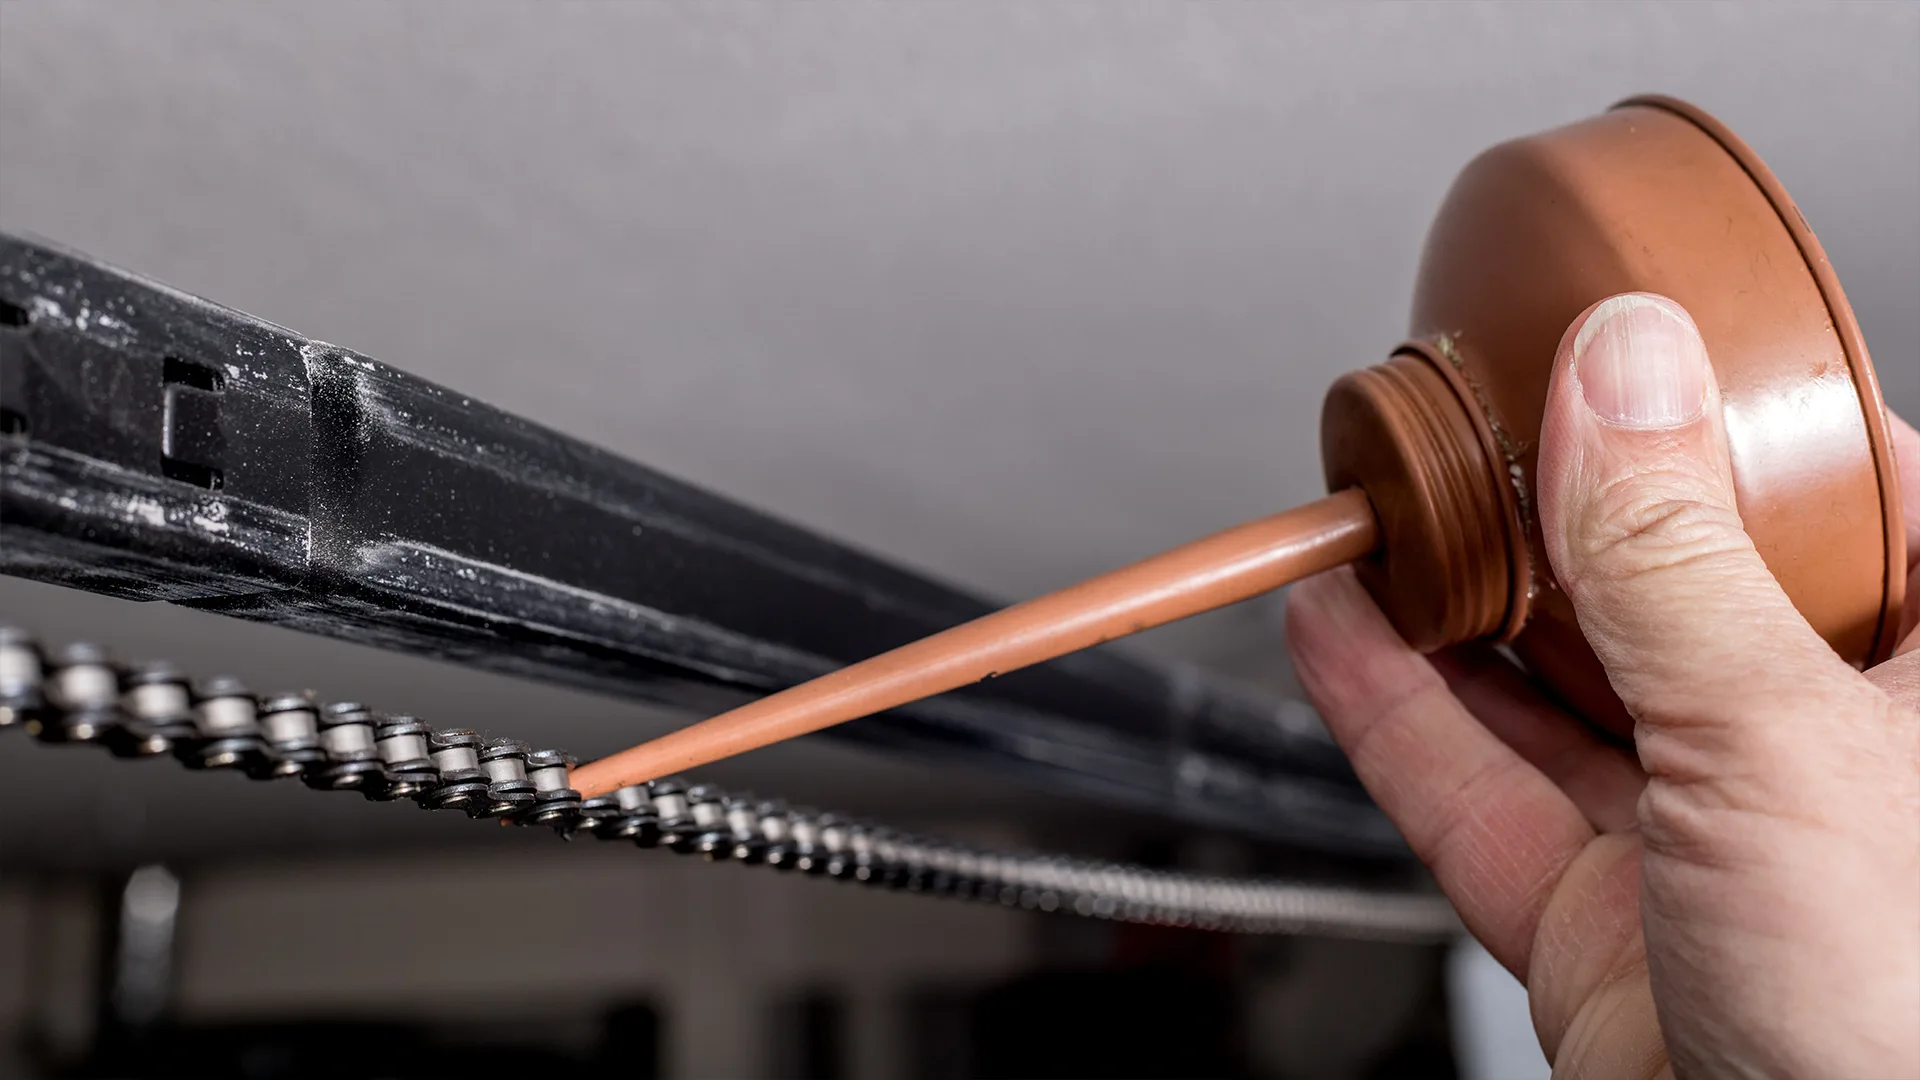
(1496, 832)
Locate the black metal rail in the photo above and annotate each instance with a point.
(155, 446)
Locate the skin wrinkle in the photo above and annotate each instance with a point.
(1594, 1037)
(1675, 826)
(1611, 866)
(1726, 584)
(1474, 839)
(1676, 681)
(1774, 775)
(1634, 527)
(1678, 766)
(1673, 537)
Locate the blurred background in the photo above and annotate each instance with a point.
(1009, 294)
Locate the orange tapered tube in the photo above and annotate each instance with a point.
(1224, 568)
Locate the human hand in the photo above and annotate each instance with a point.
(1739, 896)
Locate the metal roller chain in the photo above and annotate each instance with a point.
(79, 694)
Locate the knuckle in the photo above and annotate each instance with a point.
(1640, 524)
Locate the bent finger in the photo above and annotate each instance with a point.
(1497, 834)
(1603, 781)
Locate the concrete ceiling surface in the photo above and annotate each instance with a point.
(1012, 293)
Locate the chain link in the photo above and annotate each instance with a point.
(78, 694)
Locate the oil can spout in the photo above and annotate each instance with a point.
(1222, 569)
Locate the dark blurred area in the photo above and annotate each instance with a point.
(444, 965)
(1010, 294)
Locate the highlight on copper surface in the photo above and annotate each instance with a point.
(1224, 568)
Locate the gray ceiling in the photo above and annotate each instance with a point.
(1012, 293)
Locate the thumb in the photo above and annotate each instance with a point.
(1639, 521)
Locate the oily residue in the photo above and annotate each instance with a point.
(1511, 449)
